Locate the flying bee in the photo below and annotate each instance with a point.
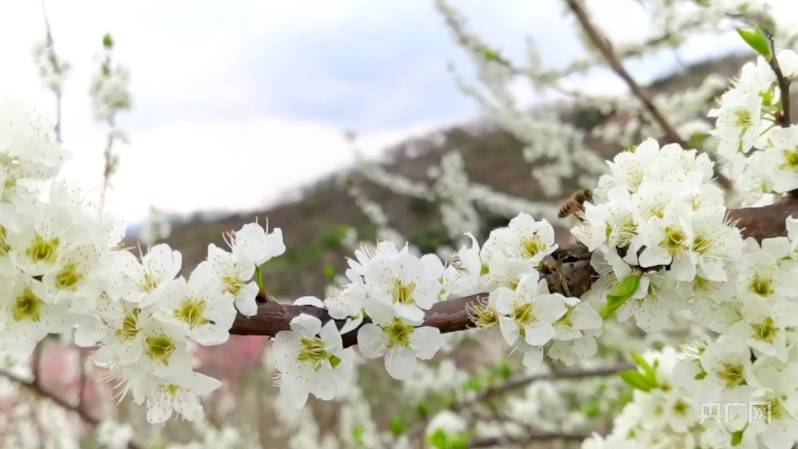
(574, 204)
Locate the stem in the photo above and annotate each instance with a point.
(259, 279)
(784, 87)
(604, 46)
(109, 168)
(57, 127)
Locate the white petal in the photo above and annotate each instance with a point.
(400, 362)
(309, 301)
(371, 341)
(425, 342)
(307, 325)
(539, 333)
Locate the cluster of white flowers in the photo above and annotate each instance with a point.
(61, 269)
(110, 86)
(658, 227)
(52, 69)
(760, 153)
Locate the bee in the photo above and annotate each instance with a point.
(574, 204)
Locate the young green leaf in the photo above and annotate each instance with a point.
(638, 380)
(757, 40)
(620, 294)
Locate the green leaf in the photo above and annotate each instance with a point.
(330, 272)
(459, 442)
(334, 360)
(438, 439)
(423, 409)
(491, 55)
(638, 380)
(397, 426)
(504, 370)
(108, 41)
(357, 434)
(474, 385)
(737, 437)
(757, 40)
(620, 294)
(592, 409)
(640, 361)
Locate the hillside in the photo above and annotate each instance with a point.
(315, 225)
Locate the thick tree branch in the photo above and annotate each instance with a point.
(573, 277)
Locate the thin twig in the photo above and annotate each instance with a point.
(521, 382)
(784, 87)
(36, 388)
(604, 46)
(110, 165)
(50, 42)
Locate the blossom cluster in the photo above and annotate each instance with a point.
(658, 223)
(759, 152)
(393, 288)
(63, 269)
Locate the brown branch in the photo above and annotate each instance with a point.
(784, 87)
(528, 438)
(38, 390)
(35, 386)
(604, 46)
(452, 315)
(514, 384)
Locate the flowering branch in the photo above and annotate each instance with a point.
(604, 46)
(784, 86)
(514, 384)
(535, 436)
(35, 387)
(453, 315)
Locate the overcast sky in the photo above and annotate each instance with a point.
(238, 102)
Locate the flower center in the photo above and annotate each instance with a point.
(533, 245)
(130, 325)
(674, 241)
(403, 292)
(523, 315)
(743, 118)
(149, 282)
(313, 351)
(791, 160)
(69, 277)
(398, 333)
(233, 284)
(566, 320)
(732, 374)
(28, 307)
(171, 389)
(627, 230)
(43, 250)
(482, 315)
(766, 330)
(770, 409)
(762, 286)
(159, 348)
(681, 407)
(702, 244)
(191, 312)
